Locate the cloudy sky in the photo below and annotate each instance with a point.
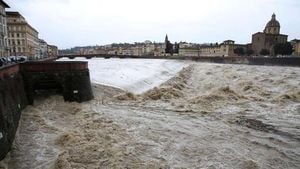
(68, 23)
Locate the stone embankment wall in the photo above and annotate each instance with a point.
(19, 82)
(72, 78)
(12, 100)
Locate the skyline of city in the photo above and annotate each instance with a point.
(98, 26)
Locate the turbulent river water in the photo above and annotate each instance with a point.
(207, 116)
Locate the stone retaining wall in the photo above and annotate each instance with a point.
(19, 82)
(12, 100)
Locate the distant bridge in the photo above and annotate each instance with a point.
(89, 56)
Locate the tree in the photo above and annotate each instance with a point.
(264, 52)
(239, 51)
(176, 48)
(283, 49)
(169, 47)
(249, 52)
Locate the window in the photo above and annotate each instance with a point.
(18, 35)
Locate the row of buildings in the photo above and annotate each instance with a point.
(138, 49)
(265, 40)
(19, 38)
(261, 41)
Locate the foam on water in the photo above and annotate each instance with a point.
(207, 116)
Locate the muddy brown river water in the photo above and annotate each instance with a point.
(208, 116)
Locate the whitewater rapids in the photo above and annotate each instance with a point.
(206, 116)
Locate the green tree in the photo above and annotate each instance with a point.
(283, 49)
(239, 51)
(264, 52)
(249, 52)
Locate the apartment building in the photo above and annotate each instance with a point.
(43, 48)
(52, 50)
(3, 30)
(22, 37)
(225, 49)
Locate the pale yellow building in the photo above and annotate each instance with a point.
(52, 50)
(138, 51)
(3, 30)
(159, 49)
(297, 48)
(22, 37)
(225, 49)
(149, 49)
(189, 51)
(127, 51)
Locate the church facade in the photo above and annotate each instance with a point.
(267, 39)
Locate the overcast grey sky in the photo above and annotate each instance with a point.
(68, 23)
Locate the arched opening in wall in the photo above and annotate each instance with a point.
(46, 86)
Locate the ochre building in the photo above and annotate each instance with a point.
(225, 49)
(22, 37)
(3, 30)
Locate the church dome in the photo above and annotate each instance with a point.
(273, 22)
(273, 26)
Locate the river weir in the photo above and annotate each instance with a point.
(205, 116)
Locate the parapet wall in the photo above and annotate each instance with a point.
(12, 100)
(9, 70)
(72, 78)
(19, 82)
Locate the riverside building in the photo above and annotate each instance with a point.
(3, 30)
(22, 37)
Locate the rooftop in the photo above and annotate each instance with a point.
(4, 4)
(13, 13)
